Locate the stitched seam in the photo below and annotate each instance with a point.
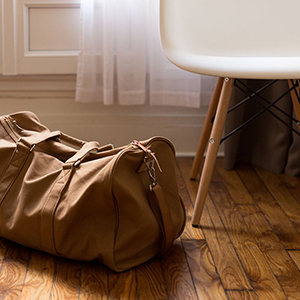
(56, 205)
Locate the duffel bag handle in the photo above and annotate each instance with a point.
(162, 213)
(43, 136)
(33, 140)
(72, 140)
(85, 150)
(85, 147)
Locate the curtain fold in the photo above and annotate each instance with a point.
(168, 84)
(265, 142)
(130, 37)
(121, 58)
(97, 22)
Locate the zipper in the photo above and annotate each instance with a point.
(9, 123)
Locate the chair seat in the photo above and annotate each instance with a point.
(237, 67)
(238, 39)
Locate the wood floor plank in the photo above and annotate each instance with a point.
(189, 231)
(123, 285)
(206, 280)
(254, 263)
(282, 195)
(235, 186)
(151, 281)
(225, 258)
(295, 255)
(283, 267)
(39, 277)
(222, 250)
(275, 254)
(4, 245)
(13, 271)
(242, 295)
(94, 281)
(280, 223)
(184, 165)
(292, 183)
(66, 281)
(177, 275)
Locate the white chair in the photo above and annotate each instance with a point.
(230, 39)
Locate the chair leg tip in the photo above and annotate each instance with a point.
(195, 225)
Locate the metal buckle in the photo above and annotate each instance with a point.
(151, 172)
(150, 160)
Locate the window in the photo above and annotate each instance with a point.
(40, 37)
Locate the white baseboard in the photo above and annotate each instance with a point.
(220, 154)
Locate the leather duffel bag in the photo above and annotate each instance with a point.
(81, 201)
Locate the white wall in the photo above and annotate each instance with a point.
(52, 99)
(39, 75)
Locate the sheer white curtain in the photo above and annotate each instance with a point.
(121, 57)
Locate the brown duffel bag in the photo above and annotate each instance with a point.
(81, 201)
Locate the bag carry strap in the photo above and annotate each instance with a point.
(72, 140)
(43, 136)
(85, 147)
(161, 211)
(85, 150)
(39, 138)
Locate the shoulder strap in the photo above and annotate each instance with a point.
(162, 213)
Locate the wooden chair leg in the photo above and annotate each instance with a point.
(212, 150)
(206, 128)
(296, 103)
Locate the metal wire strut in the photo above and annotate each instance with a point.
(264, 103)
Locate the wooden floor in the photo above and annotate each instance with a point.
(247, 247)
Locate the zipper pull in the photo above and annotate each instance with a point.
(10, 122)
(17, 143)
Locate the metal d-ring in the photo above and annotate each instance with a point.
(151, 172)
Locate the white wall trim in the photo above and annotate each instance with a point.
(38, 83)
(16, 56)
(26, 29)
(9, 38)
